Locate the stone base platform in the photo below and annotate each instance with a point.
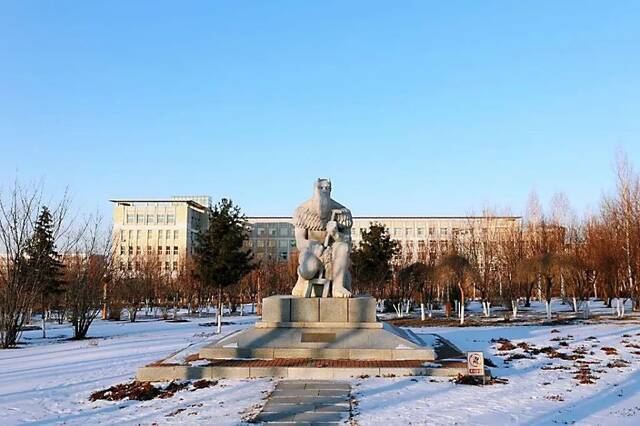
(299, 369)
(316, 338)
(380, 343)
(321, 328)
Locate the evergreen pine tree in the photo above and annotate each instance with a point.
(44, 262)
(371, 260)
(221, 260)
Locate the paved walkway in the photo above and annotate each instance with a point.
(307, 402)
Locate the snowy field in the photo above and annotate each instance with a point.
(49, 381)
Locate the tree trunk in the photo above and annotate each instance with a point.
(587, 310)
(219, 329)
(461, 305)
(398, 308)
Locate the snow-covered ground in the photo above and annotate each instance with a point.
(532, 396)
(49, 381)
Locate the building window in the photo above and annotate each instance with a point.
(167, 250)
(149, 250)
(166, 266)
(139, 234)
(272, 243)
(260, 232)
(408, 232)
(160, 219)
(128, 266)
(122, 251)
(160, 234)
(175, 250)
(273, 231)
(260, 243)
(283, 255)
(131, 218)
(168, 234)
(150, 219)
(130, 235)
(138, 252)
(397, 231)
(159, 249)
(171, 219)
(149, 234)
(175, 266)
(283, 243)
(176, 234)
(130, 250)
(420, 232)
(121, 235)
(292, 243)
(284, 232)
(444, 231)
(140, 219)
(432, 231)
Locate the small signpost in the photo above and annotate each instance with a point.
(475, 364)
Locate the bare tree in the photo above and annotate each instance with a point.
(456, 270)
(19, 285)
(511, 254)
(87, 271)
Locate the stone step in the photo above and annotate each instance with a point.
(285, 407)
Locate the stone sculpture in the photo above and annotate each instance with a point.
(323, 237)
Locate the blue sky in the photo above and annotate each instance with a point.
(412, 107)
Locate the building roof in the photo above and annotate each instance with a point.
(156, 200)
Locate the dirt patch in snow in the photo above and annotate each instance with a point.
(618, 363)
(137, 391)
(145, 391)
(477, 380)
(584, 376)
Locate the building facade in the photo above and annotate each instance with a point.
(165, 229)
(273, 237)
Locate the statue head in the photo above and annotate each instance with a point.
(322, 197)
(322, 186)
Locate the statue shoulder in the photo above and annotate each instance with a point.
(344, 218)
(304, 217)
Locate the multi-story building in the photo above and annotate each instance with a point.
(273, 237)
(166, 229)
(163, 228)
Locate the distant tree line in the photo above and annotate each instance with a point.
(64, 269)
(546, 255)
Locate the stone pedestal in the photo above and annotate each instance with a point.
(279, 310)
(321, 328)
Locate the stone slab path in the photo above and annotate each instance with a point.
(307, 402)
